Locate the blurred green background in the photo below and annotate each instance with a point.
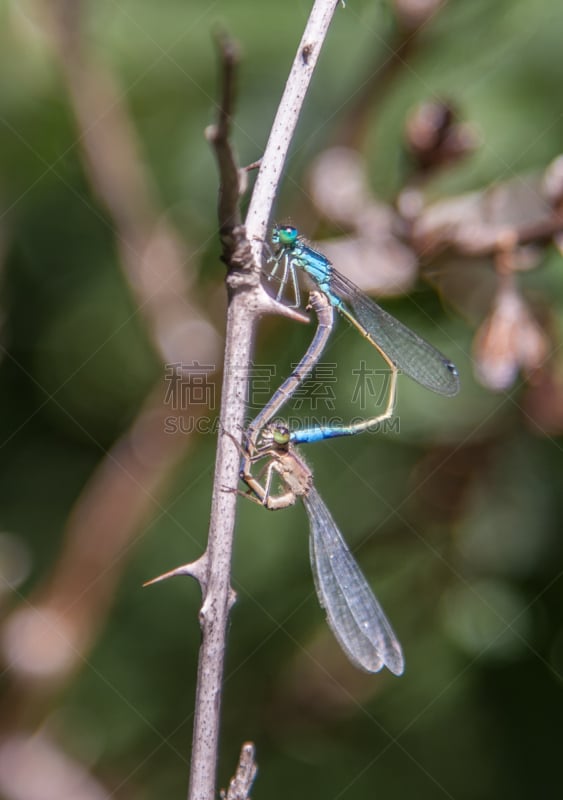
(456, 522)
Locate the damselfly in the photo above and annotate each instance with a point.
(353, 613)
(400, 347)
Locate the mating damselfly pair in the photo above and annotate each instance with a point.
(353, 612)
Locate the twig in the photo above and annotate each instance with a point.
(228, 209)
(479, 238)
(248, 301)
(241, 784)
(269, 176)
(540, 232)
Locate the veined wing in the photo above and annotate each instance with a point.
(353, 613)
(412, 354)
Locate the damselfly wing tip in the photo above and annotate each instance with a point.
(454, 372)
(395, 662)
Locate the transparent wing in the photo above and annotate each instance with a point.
(353, 613)
(409, 352)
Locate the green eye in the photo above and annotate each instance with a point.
(288, 235)
(281, 435)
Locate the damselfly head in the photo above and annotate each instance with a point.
(280, 435)
(285, 235)
(275, 435)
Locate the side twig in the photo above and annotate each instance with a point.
(241, 783)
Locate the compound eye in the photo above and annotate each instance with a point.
(281, 434)
(288, 234)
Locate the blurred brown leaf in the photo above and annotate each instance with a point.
(509, 340)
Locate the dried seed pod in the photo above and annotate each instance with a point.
(509, 340)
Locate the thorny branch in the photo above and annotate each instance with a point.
(248, 301)
(268, 179)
